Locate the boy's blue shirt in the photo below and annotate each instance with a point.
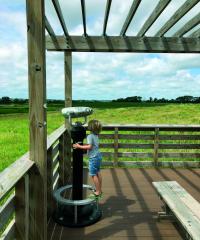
(93, 139)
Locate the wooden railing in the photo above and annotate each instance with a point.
(15, 177)
(14, 186)
(151, 145)
(128, 145)
(58, 163)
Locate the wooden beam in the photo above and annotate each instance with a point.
(108, 5)
(83, 16)
(153, 17)
(125, 44)
(60, 16)
(37, 118)
(176, 16)
(130, 16)
(188, 26)
(195, 34)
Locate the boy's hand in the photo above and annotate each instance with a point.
(76, 145)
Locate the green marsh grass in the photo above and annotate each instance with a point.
(14, 138)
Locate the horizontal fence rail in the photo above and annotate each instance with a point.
(150, 145)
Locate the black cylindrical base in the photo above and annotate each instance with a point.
(75, 213)
(86, 215)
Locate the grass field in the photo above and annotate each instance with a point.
(14, 139)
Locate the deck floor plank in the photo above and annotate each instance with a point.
(130, 206)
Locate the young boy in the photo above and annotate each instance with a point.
(95, 158)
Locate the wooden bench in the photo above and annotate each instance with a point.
(181, 206)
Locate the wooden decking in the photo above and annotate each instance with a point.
(130, 206)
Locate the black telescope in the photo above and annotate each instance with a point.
(78, 133)
(76, 211)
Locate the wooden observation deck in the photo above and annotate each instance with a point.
(130, 207)
(130, 203)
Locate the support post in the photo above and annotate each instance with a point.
(156, 146)
(68, 79)
(62, 162)
(22, 208)
(37, 118)
(50, 201)
(116, 140)
(68, 103)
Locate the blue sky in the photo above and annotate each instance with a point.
(98, 75)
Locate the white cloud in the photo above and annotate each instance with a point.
(96, 75)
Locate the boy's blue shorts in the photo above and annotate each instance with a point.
(94, 165)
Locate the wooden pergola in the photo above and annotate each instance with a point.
(39, 42)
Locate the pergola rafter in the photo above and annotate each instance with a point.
(51, 33)
(162, 4)
(84, 16)
(60, 16)
(189, 4)
(130, 16)
(195, 33)
(108, 5)
(188, 26)
(49, 28)
(177, 43)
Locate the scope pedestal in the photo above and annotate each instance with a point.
(76, 212)
(78, 133)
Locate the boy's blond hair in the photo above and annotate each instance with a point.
(94, 126)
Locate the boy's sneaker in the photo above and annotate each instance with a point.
(94, 196)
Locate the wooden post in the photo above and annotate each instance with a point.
(50, 202)
(68, 103)
(37, 118)
(22, 208)
(68, 79)
(116, 147)
(156, 146)
(62, 163)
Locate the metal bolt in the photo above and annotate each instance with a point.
(37, 68)
(40, 125)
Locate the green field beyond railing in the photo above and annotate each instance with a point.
(121, 145)
(150, 145)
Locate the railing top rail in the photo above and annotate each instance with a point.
(152, 126)
(11, 175)
(55, 135)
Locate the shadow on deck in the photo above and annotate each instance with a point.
(130, 206)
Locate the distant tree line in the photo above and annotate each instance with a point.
(8, 100)
(182, 99)
(134, 99)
